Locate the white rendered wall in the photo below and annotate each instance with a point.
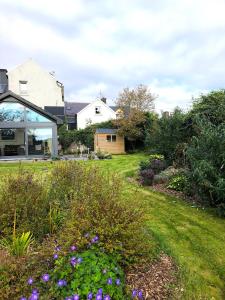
(88, 116)
(42, 89)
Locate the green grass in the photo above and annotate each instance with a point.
(193, 237)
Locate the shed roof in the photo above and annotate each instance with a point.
(106, 130)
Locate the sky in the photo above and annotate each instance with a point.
(175, 47)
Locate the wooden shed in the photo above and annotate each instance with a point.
(107, 140)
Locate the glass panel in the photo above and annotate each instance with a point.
(32, 116)
(39, 141)
(11, 112)
(12, 142)
(113, 138)
(108, 138)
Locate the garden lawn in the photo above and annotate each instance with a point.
(193, 237)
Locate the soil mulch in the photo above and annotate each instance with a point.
(155, 279)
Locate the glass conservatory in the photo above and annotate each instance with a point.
(26, 130)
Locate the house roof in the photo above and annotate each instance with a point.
(72, 108)
(106, 130)
(55, 110)
(30, 105)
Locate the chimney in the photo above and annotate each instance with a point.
(3, 81)
(103, 99)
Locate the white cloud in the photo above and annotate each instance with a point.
(177, 46)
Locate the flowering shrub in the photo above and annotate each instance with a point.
(90, 274)
(178, 183)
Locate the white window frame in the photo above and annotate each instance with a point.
(23, 87)
(98, 110)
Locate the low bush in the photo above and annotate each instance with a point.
(103, 155)
(160, 179)
(87, 274)
(156, 156)
(96, 205)
(178, 183)
(24, 204)
(147, 176)
(157, 165)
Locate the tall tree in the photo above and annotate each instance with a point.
(134, 103)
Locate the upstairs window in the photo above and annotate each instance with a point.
(23, 87)
(97, 110)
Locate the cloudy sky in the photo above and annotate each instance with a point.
(176, 47)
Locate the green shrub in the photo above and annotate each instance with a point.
(25, 195)
(206, 159)
(177, 183)
(155, 156)
(95, 204)
(89, 272)
(103, 155)
(18, 245)
(170, 172)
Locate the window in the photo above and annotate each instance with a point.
(7, 134)
(11, 112)
(97, 110)
(23, 87)
(111, 138)
(32, 116)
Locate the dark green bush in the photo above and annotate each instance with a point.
(206, 158)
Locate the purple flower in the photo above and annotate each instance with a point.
(76, 297)
(57, 248)
(55, 256)
(100, 291)
(79, 260)
(34, 297)
(109, 281)
(61, 283)
(98, 297)
(73, 261)
(140, 295)
(107, 297)
(86, 235)
(34, 291)
(30, 281)
(90, 296)
(73, 248)
(95, 239)
(134, 293)
(23, 298)
(68, 298)
(45, 277)
(117, 281)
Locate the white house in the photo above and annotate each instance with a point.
(30, 81)
(79, 115)
(95, 112)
